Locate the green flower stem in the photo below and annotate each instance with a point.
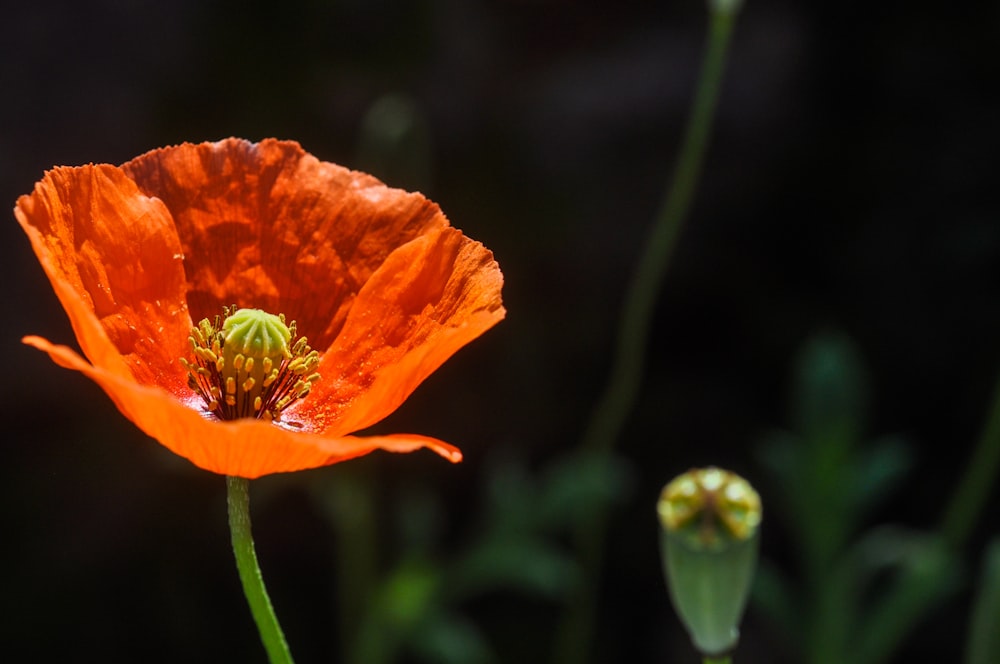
(573, 640)
(718, 660)
(969, 499)
(238, 499)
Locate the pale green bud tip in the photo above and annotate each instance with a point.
(256, 333)
(710, 520)
(712, 505)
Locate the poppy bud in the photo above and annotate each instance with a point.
(709, 537)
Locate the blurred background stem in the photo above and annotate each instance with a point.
(973, 491)
(574, 638)
(350, 503)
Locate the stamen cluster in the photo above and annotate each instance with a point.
(249, 363)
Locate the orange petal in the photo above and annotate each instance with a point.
(245, 448)
(114, 260)
(428, 299)
(269, 226)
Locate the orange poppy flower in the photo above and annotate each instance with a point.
(374, 277)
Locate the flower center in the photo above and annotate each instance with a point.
(249, 364)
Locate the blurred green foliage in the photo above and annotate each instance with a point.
(856, 591)
(412, 604)
(852, 590)
(983, 643)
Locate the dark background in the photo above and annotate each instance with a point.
(850, 186)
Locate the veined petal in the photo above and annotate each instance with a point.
(428, 299)
(116, 265)
(269, 226)
(244, 448)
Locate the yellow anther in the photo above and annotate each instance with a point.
(270, 378)
(249, 363)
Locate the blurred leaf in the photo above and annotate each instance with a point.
(419, 518)
(879, 468)
(407, 593)
(446, 638)
(577, 485)
(829, 394)
(812, 499)
(780, 453)
(347, 501)
(530, 566)
(510, 493)
(772, 596)
(884, 548)
(401, 602)
(983, 645)
(926, 571)
(553, 501)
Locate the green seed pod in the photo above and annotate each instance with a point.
(710, 521)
